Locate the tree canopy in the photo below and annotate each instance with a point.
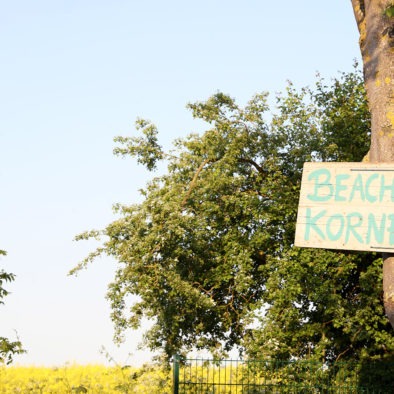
(7, 348)
(209, 250)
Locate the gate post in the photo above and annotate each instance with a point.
(175, 369)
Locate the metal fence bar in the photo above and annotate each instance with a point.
(175, 374)
(207, 376)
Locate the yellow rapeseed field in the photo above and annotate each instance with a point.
(84, 379)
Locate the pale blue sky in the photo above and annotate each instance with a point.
(76, 73)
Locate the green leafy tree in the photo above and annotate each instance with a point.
(7, 348)
(323, 304)
(210, 248)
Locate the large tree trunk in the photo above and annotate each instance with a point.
(376, 27)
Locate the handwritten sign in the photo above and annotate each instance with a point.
(346, 206)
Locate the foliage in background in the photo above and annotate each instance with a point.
(211, 245)
(7, 348)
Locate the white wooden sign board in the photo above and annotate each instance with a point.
(346, 206)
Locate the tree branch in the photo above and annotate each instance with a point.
(254, 164)
(341, 354)
(194, 180)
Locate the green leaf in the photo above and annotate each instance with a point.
(389, 11)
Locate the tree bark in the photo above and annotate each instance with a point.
(376, 28)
